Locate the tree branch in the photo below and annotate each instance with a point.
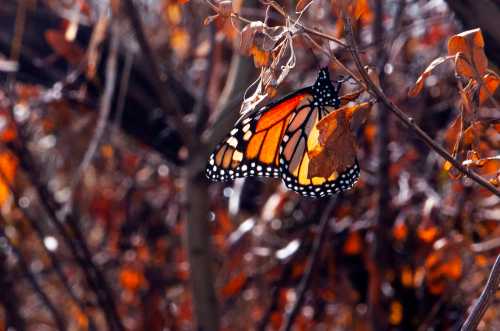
(408, 121)
(168, 101)
(485, 299)
(312, 262)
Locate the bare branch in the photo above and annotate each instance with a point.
(305, 282)
(37, 288)
(105, 109)
(168, 101)
(485, 298)
(408, 121)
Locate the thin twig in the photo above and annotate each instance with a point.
(200, 111)
(408, 121)
(294, 22)
(312, 261)
(105, 109)
(53, 258)
(167, 99)
(123, 90)
(485, 298)
(37, 288)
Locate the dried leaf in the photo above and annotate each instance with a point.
(247, 36)
(173, 13)
(8, 167)
(354, 244)
(225, 8)
(346, 98)
(70, 51)
(473, 60)
(210, 19)
(234, 285)
(400, 230)
(488, 88)
(93, 54)
(396, 313)
(335, 149)
(179, 41)
(261, 58)
(419, 84)
(427, 232)
(301, 5)
(463, 67)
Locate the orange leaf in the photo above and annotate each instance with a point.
(419, 84)
(179, 41)
(260, 57)
(407, 276)
(131, 279)
(70, 51)
(463, 66)
(488, 87)
(8, 167)
(396, 313)
(354, 244)
(173, 13)
(301, 5)
(473, 60)
(427, 233)
(346, 98)
(234, 285)
(400, 230)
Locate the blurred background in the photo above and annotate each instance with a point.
(109, 110)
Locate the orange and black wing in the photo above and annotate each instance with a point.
(293, 138)
(315, 163)
(317, 153)
(252, 147)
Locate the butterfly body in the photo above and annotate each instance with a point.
(287, 139)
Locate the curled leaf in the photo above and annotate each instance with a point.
(419, 84)
(488, 88)
(225, 8)
(473, 60)
(261, 58)
(70, 51)
(302, 4)
(346, 98)
(247, 37)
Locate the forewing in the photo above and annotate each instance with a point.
(252, 147)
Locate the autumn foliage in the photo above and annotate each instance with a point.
(109, 229)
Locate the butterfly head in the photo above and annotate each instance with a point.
(324, 91)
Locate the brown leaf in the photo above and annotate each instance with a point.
(225, 8)
(93, 53)
(261, 58)
(301, 5)
(210, 19)
(488, 88)
(336, 148)
(472, 61)
(179, 41)
(463, 66)
(70, 51)
(354, 244)
(346, 98)
(419, 84)
(247, 36)
(8, 167)
(234, 285)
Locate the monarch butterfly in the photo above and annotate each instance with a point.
(286, 140)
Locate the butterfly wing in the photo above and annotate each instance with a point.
(318, 153)
(252, 147)
(301, 138)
